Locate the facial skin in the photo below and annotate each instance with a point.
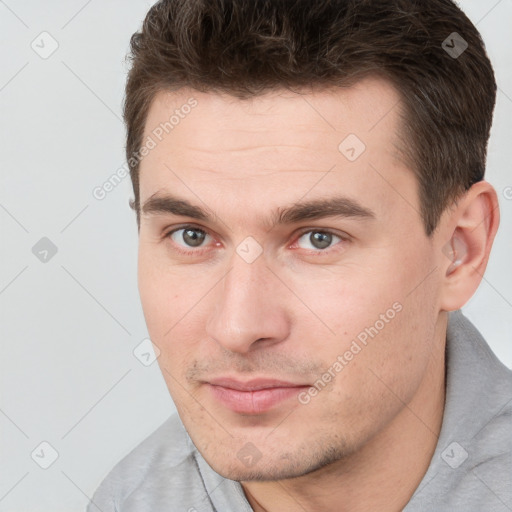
(365, 440)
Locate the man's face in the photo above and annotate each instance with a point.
(253, 295)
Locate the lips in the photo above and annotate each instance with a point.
(255, 396)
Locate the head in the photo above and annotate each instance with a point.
(308, 181)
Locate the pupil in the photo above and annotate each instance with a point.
(193, 237)
(320, 240)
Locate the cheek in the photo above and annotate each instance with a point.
(173, 303)
(393, 363)
(377, 377)
(167, 292)
(344, 306)
(154, 295)
(381, 323)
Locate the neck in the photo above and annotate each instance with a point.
(383, 474)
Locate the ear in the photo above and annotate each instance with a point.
(466, 239)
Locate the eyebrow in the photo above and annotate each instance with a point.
(337, 206)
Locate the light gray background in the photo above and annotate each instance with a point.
(69, 325)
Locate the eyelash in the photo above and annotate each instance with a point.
(201, 250)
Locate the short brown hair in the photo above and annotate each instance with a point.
(248, 47)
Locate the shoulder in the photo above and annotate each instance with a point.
(160, 470)
(486, 474)
(473, 472)
(481, 468)
(472, 465)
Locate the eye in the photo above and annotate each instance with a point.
(188, 236)
(317, 240)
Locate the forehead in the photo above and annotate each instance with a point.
(369, 109)
(276, 147)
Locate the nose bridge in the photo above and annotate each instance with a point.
(247, 308)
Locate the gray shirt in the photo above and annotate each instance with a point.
(471, 470)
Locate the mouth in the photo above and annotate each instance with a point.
(253, 397)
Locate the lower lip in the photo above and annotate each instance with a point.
(253, 402)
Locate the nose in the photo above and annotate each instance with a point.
(249, 309)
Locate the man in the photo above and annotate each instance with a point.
(308, 181)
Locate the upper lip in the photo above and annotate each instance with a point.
(254, 384)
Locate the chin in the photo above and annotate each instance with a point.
(281, 466)
(267, 473)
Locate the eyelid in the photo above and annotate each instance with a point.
(169, 231)
(319, 229)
